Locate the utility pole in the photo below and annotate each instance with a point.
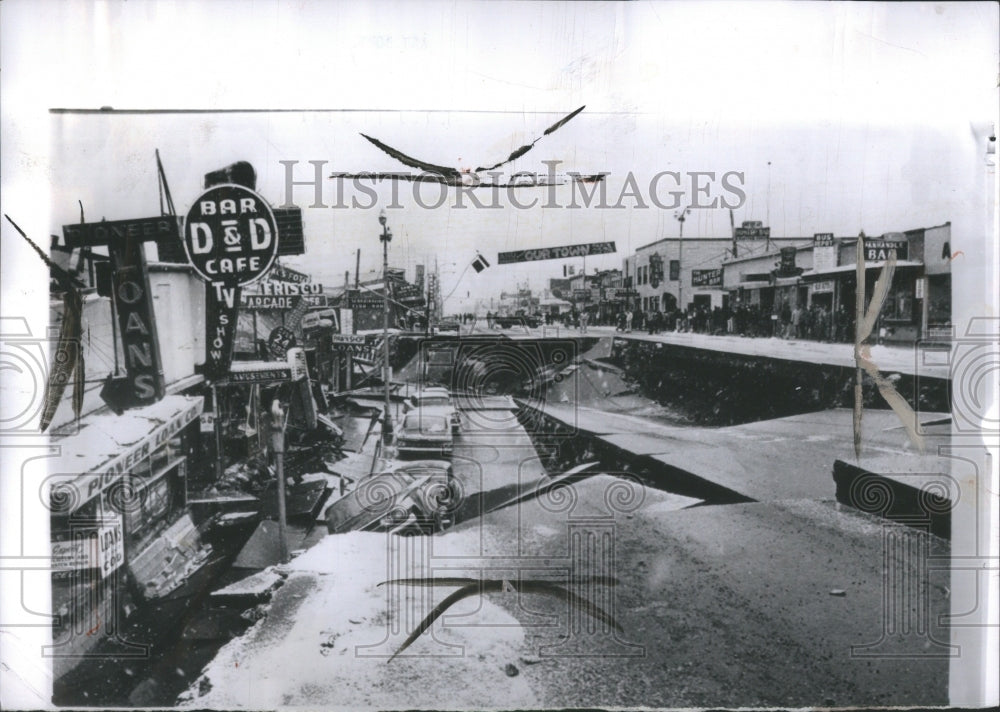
(385, 238)
(278, 443)
(681, 216)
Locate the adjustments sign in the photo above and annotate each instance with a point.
(231, 235)
(556, 253)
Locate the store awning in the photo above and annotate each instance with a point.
(757, 284)
(820, 274)
(109, 445)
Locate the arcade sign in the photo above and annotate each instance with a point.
(230, 235)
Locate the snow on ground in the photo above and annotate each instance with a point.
(330, 629)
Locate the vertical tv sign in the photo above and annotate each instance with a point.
(231, 240)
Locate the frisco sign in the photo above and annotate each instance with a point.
(556, 253)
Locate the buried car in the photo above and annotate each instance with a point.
(438, 399)
(425, 432)
(419, 496)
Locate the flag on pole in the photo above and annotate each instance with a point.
(480, 263)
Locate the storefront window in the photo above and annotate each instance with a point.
(899, 304)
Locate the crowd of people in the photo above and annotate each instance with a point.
(816, 322)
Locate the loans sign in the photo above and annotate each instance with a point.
(556, 253)
(230, 235)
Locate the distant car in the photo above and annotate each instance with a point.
(418, 496)
(435, 398)
(447, 325)
(505, 322)
(425, 432)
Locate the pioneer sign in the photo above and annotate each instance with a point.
(230, 235)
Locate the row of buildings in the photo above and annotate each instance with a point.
(150, 438)
(772, 274)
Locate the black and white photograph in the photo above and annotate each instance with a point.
(499, 355)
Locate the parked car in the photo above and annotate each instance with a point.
(417, 496)
(425, 432)
(435, 398)
(447, 325)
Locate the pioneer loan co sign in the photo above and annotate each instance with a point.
(231, 240)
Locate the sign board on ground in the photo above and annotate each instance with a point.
(556, 253)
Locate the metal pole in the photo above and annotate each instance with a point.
(217, 425)
(278, 443)
(385, 237)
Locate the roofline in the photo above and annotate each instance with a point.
(712, 239)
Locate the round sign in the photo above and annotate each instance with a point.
(279, 342)
(230, 235)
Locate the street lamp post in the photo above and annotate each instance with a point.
(681, 216)
(385, 238)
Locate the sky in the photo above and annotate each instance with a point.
(827, 117)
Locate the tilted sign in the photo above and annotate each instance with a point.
(267, 373)
(143, 383)
(280, 273)
(878, 249)
(556, 253)
(706, 278)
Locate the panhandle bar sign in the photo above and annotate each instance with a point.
(706, 278)
(878, 250)
(556, 253)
